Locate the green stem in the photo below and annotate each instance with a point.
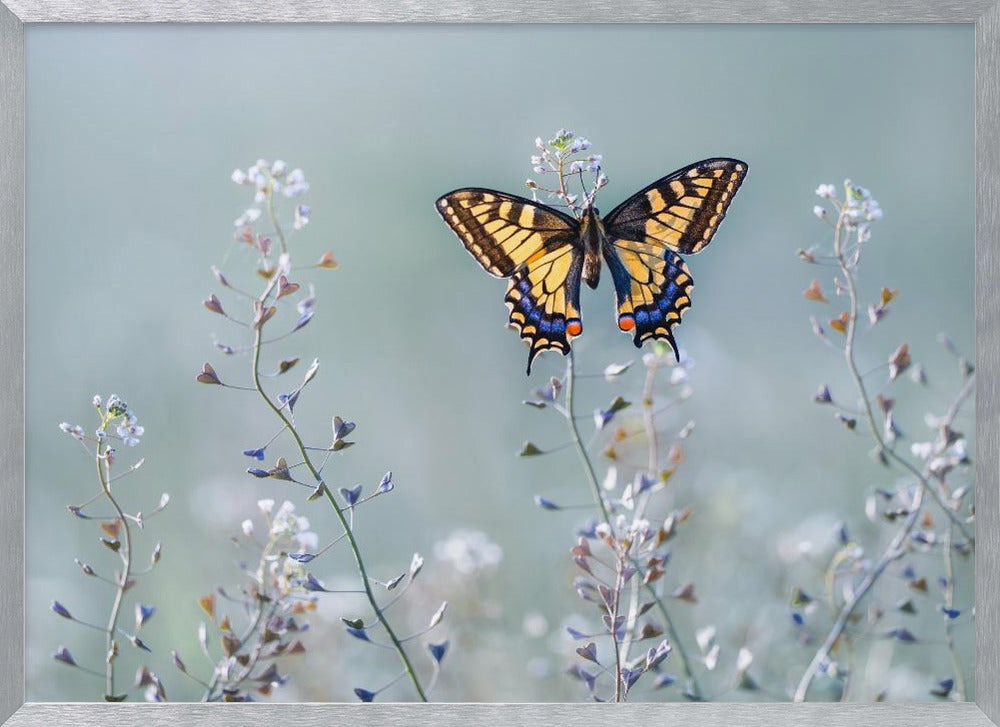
(866, 404)
(595, 487)
(949, 602)
(304, 453)
(122, 584)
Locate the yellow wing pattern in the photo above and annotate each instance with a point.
(536, 247)
(676, 214)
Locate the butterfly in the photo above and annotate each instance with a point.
(546, 253)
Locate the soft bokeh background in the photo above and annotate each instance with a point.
(132, 135)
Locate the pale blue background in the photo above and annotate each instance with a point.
(132, 135)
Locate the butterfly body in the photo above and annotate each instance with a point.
(592, 242)
(546, 253)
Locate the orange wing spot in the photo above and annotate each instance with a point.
(626, 322)
(574, 327)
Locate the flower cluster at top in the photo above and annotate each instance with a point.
(562, 156)
(269, 178)
(115, 415)
(857, 210)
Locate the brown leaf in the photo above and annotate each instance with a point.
(840, 324)
(327, 262)
(207, 604)
(815, 292)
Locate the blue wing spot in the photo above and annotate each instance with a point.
(641, 317)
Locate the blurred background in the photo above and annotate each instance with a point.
(132, 135)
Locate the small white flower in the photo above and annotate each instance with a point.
(97, 401)
(266, 506)
(826, 191)
(239, 176)
(308, 540)
(247, 526)
(744, 659)
(820, 212)
(301, 216)
(73, 429)
(248, 217)
(469, 551)
(278, 168)
(539, 144)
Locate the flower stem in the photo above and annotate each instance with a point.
(847, 269)
(126, 556)
(595, 487)
(304, 453)
(895, 550)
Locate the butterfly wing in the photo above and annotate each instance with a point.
(644, 234)
(681, 211)
(534, 245)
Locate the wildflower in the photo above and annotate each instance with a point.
(239, 176)
(469, 551)
(129, 429)
(295, 184)
(75, 430)
(820, 212)
(116, 407)
(826, 191)
(249, 216)
(301, 216)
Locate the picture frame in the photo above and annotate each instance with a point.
(985, 14)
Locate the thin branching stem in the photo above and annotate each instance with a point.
(595, 487)
(122, 585)
(893, 552)
(341, 516)
(949, 603)
(847, 269)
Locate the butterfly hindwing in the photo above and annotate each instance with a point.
(682, 210)
(653, 289)
(543, 298)
(537, 247)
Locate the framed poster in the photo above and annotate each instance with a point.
(245, 266)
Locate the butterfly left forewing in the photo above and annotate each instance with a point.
(502, 230)
(537, 247)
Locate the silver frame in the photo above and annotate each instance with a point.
(986, 16)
